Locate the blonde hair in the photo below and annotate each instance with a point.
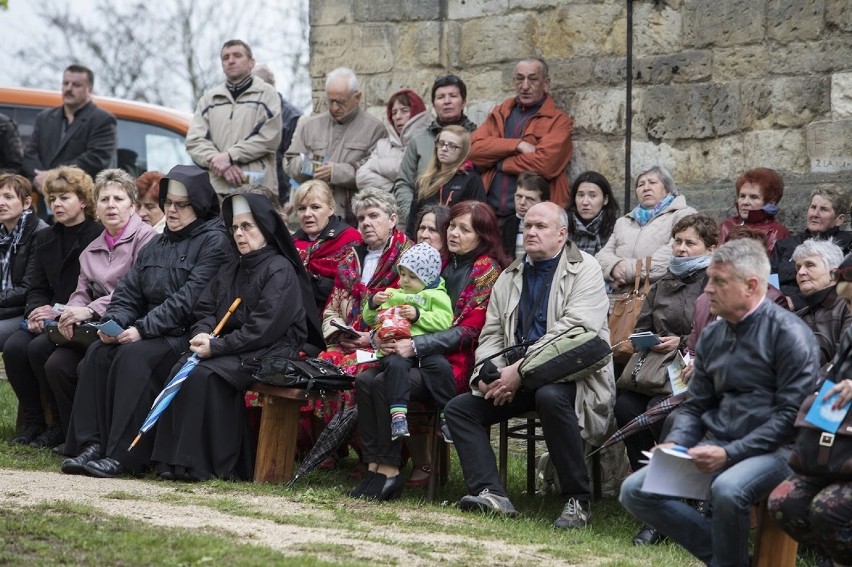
(68, 179)
(433, 177)
(315, 188)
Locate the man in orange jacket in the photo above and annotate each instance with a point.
(524, 133)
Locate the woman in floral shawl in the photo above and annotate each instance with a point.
(476, 259)
(367, 268)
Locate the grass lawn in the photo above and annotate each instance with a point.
(59, 531)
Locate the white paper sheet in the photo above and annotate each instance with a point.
(362, 356)
(673, 473)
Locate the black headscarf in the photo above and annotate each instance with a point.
(203, 197)
(278, 236)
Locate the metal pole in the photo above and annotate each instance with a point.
(628, 110)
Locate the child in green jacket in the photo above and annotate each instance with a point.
(427, 306)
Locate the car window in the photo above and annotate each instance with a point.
(145, 147)
(24, 117)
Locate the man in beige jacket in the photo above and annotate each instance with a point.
(554, 288)
(237, 126)
(331, 146)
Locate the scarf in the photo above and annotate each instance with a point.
(8, 245)
(684, 267)
(643, 216)
(111, 240)
(587, 236)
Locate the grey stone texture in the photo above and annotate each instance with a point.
(719, 86)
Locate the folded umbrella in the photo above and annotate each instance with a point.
(335, 434)
(162, 401)
(652, 415)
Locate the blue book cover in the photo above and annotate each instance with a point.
(822, 415)
(643, 341)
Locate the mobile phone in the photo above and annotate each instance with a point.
(346, 329)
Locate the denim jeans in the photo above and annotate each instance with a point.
(722, 539)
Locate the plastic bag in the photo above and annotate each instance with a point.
(392, 325)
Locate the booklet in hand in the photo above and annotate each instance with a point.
(346, 329)
(644, 341)
(821, 413)
(672, 472)
(110, 328)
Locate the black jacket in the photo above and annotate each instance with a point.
(11, 150)
(13, 300)
(88, 143)
(53, 278)
(463, 186)
(749, 381)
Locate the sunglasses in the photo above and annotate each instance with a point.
(447, 80)
(843, 274)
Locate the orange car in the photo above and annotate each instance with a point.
(150, 137)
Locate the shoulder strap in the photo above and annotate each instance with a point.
(647, 275)
(638, 277)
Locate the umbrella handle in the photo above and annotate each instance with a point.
(224, 320)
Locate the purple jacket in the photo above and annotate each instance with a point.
(101, 270)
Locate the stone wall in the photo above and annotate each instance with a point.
(719, 87)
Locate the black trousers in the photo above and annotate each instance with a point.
(24, 355)
(469, 418)
(60, 371)
(629, 405)
(435, 372)
(432, 381)
(115, 390)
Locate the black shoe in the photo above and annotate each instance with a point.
(445, 432)
(167, 475)
(358, 491)
(392, 488)
(50, 437)
(77, 465)
(106, 468)
(648, 536)
(27, 434)
(374, 488)
(59, 449)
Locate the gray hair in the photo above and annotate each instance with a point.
(665, 177)
(264, 73)
(115, 177)
(545, 69)
(562, 219)
(747, 257)
(826, 250)
(343, 73)
(374, 197)
(839, 200)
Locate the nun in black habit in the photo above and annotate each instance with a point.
(204, 432)
(119, 377)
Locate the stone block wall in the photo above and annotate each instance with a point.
(719, 87)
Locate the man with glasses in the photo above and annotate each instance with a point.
(525, 133)
(331, 146)
(237, 126)
(753, 368)
(449, 94)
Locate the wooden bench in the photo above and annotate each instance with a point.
(772, 546)
(279, 427)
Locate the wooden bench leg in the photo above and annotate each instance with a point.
(772, 547)
(276, 442)
(503, 454)
(531, 463)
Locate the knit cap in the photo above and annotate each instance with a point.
(423, 261)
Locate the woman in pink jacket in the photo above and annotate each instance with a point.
(102, 264)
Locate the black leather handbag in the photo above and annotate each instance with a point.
(84, 335)
(310, 374)
(820, 453)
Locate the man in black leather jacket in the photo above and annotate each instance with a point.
(753, 368)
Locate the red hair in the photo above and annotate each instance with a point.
(484, 223)
(147, 182)
(770, 183)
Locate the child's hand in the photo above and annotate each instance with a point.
(381, 296)
(409, 312)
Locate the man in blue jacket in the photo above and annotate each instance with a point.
(753, 368)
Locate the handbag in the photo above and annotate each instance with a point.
(625, 313)
(647, 373)
(84, 335)
(820, 453)
(309, 374)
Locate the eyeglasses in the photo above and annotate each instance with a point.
(179, 205)
(440, 144)
(340, 101)
(446, 80)
(245, 226)
(842, 274)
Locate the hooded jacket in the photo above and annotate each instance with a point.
(159, 291)
(382, 168)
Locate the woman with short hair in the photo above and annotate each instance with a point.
(53, 278)
(758, 192)
(148, 200)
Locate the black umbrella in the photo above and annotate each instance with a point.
(335, 434)
(654, 414)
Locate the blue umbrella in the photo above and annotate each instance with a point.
(162, 401)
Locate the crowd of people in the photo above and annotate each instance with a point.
(474, 239)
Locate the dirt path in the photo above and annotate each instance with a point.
(182, 506)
